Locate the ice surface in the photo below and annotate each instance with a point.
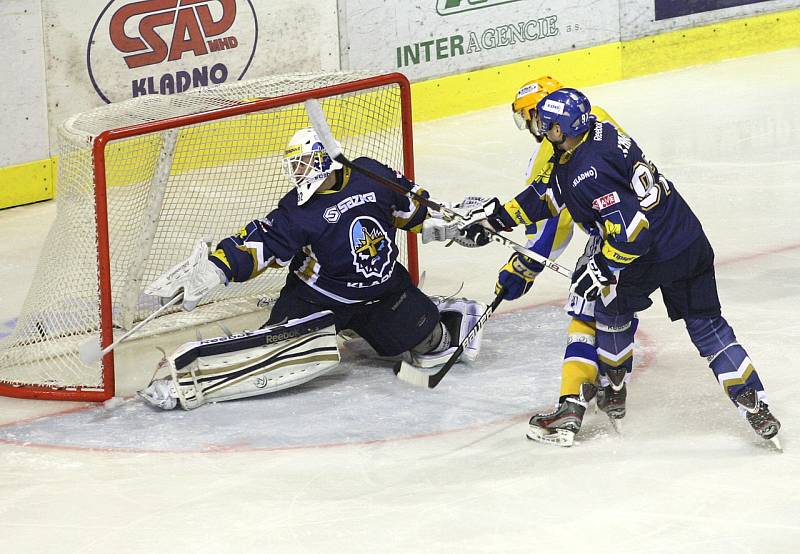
(361, 462)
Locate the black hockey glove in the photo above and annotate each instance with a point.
(479, 232)
(591, 278)
(474, 234)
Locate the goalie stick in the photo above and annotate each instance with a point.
(322, 128)
(90, 353)
(415, 376)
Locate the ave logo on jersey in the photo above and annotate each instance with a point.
(371, 248)
(146, 47)
(605, 201)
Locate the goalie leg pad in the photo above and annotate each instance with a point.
(458, 315)
(253, 363)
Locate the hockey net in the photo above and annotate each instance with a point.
(139, 182)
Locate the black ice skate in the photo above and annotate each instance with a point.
(758, 416)
(611, 398)
(560, 426)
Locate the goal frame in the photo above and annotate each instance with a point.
(98, 149)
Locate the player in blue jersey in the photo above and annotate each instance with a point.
(648, 240)
(549, 237)
(335, 230)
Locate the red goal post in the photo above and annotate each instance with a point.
(140, 181)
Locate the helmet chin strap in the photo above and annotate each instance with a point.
(558, 144)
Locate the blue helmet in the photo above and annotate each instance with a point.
(569, 108)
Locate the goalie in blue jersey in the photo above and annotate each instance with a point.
(335, 230)
(644, 238)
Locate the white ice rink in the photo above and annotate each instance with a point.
(361, 462)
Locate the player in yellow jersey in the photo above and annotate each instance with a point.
(549, 238)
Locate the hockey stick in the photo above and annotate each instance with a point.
(322, 128)
(413, 375)
(89, 352)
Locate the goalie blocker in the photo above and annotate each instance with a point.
(248, 364)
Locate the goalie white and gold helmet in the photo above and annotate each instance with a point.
(526, 99)
(307, 164)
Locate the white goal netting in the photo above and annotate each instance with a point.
(187, 166)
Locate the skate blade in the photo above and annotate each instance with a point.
(776, 443)
(559, 437)
(616, 424)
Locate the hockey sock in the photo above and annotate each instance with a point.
(580, 357)
(729, 361)
(615, 346)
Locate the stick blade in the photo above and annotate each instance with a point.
(412, 375)
(320, 124)
(89, 352)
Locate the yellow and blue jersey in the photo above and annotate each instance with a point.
(340, 243)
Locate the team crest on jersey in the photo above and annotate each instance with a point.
(371, 247)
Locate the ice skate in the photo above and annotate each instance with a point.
(560, 426)
(611, 398)
(758, 416)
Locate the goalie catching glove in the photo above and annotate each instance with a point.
(517, 276)
(590, 279)
(475, 216)
(195, 277)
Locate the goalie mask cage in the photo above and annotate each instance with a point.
(139, 182)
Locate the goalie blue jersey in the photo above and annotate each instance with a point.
(608, 185)
(341, 242)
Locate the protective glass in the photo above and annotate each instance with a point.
(523, 123)
(519, 120)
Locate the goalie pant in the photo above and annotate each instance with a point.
(404, 321)
(393, 323)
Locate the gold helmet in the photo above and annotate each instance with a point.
(527, 97)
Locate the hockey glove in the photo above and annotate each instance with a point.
(472, 213)
(591, 278)
(517, 276)
(484, 217)
(196, 277)
(435, 229)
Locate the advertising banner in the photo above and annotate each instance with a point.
(140, 48)
(432, 38)
(101, 51)
(640, 18)
(666, 9)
